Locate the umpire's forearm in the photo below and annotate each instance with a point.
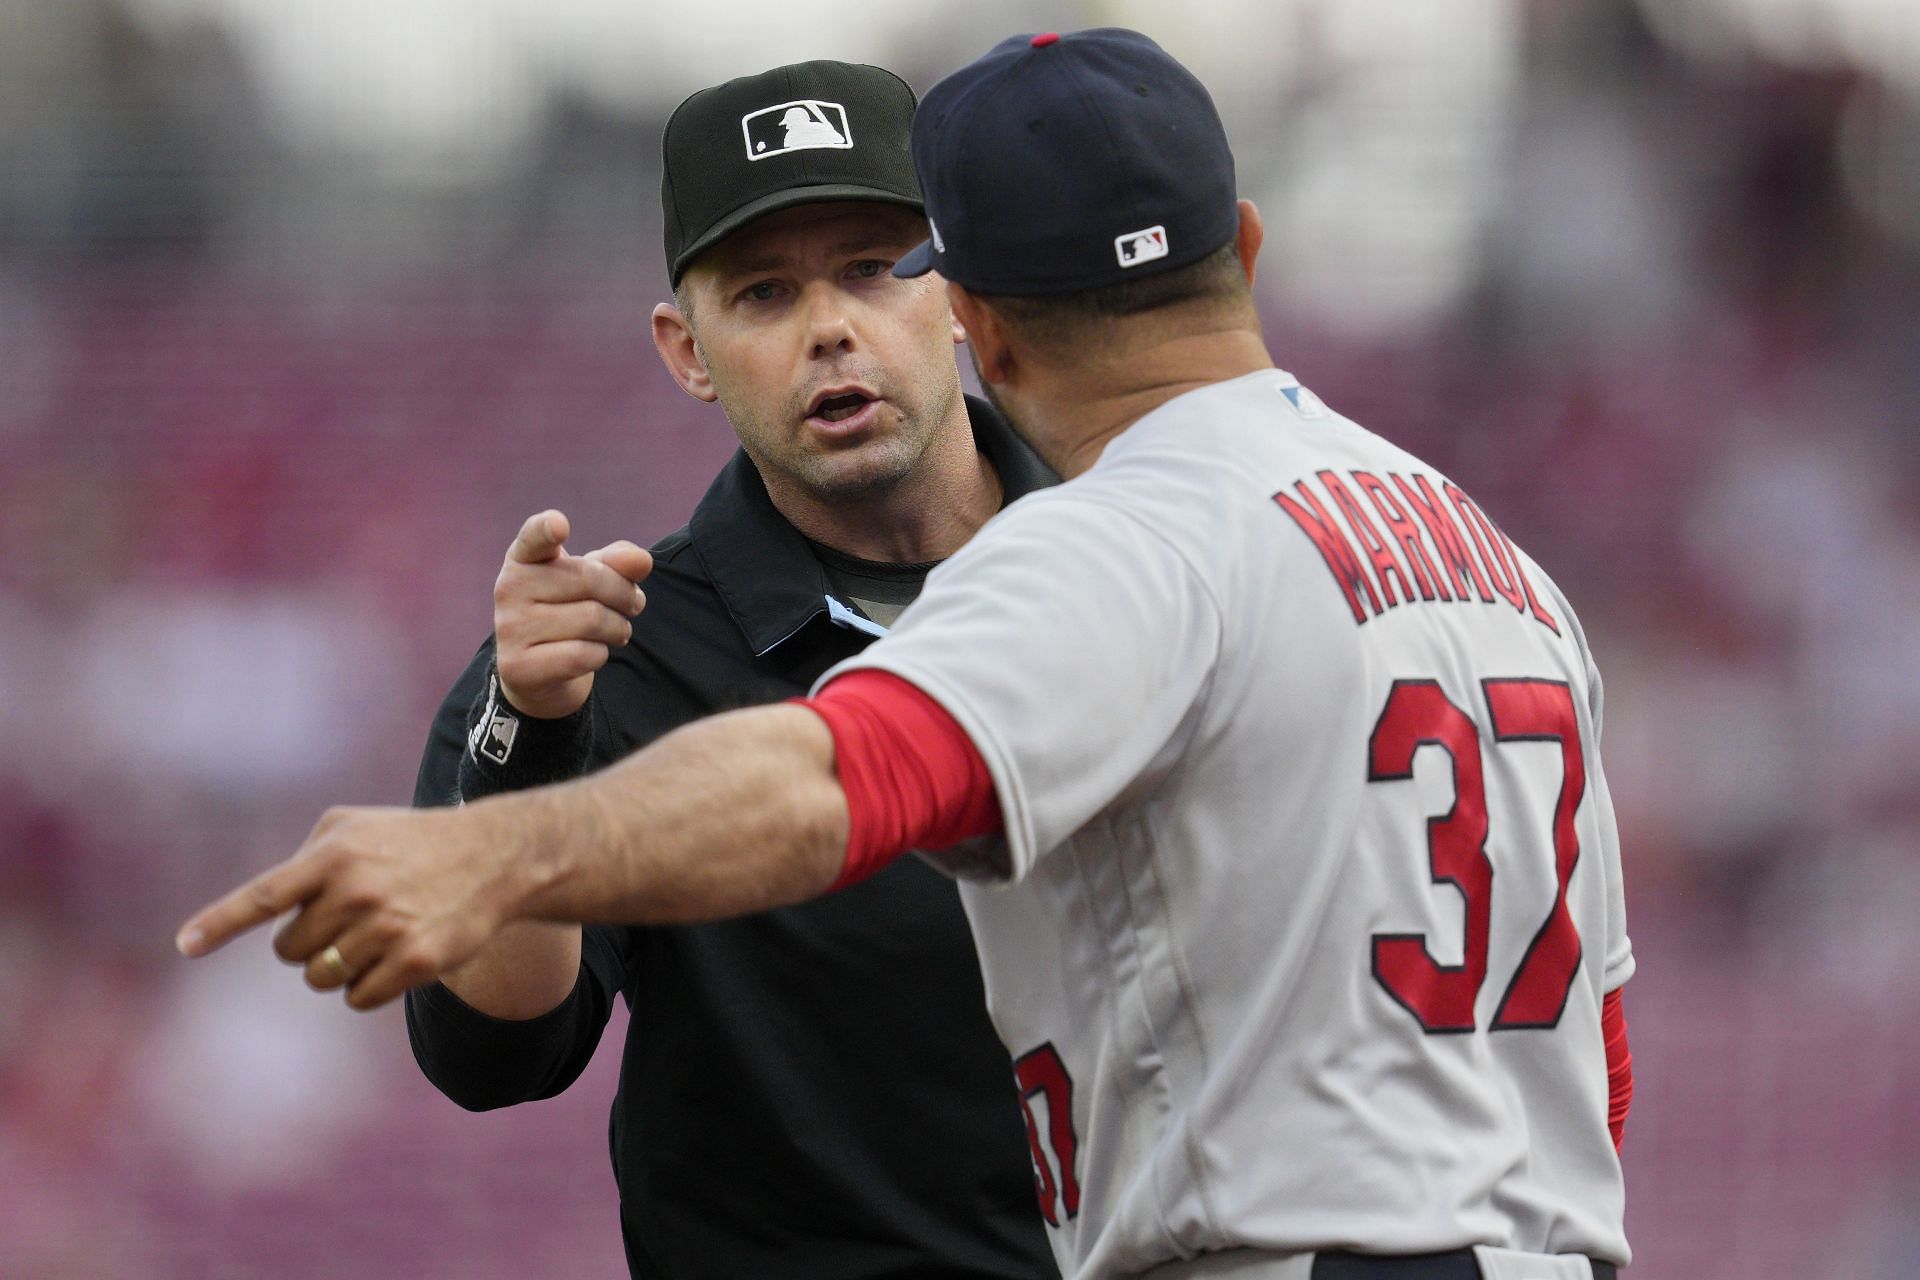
(524, 971)
(527, 969)
(727, 816)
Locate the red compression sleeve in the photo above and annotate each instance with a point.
(1613, 1030)
(912, 777)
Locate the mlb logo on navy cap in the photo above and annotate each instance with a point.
(1061, 163)
(1137, 247)
(795, 126)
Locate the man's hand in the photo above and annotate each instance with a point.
(557, 617)
(737, 813)
(383, 900)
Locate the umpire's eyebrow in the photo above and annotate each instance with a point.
(879, 244)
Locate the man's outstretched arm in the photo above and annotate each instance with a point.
(731, 815)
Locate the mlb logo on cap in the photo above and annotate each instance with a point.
(1137, 247)
(795, 126)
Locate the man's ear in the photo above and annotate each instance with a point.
(1247, 241)
(673, 339)
(985, 334)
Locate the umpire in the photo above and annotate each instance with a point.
(815, 1091)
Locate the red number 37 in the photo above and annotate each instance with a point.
(1441, 996)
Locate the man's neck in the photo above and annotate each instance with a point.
(928, 515)
(1083, 408)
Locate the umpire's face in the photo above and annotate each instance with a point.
(835, 373)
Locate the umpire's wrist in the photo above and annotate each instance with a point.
(507, 750)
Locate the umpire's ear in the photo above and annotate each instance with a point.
(992, 355)
(673, 339)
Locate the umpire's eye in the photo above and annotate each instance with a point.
(871, 268)
(764, 291)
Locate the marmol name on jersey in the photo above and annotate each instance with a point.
(1483, 564)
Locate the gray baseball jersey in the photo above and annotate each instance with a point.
(1309, 889)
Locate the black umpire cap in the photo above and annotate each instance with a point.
(800, 134)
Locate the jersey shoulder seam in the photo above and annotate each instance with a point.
(1056, 496)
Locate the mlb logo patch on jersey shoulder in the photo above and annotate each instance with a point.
(802, 125)
(1136, 247)
(1304, 401)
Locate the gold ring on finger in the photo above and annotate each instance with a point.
(336, 963)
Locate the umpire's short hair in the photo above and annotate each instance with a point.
(1057, 323)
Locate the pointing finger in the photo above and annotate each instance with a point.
(254, 903)
(540, 539)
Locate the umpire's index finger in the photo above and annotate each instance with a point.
(259, 900)
(541, 538)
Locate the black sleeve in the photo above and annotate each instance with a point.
(477, 747)
(483, 1062)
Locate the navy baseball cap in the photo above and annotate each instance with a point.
(799, 134)
(1059, 163)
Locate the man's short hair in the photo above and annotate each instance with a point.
(1058, 322)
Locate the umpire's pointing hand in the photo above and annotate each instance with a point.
(557, 617)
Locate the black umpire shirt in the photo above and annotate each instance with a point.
(814, 1091)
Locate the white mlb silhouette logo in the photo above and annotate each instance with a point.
(795, 126)
(1137, 247)
(496, 744)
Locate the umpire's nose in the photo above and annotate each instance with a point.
(829, 323)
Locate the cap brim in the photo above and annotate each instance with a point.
(917, 261)
(825, 193)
